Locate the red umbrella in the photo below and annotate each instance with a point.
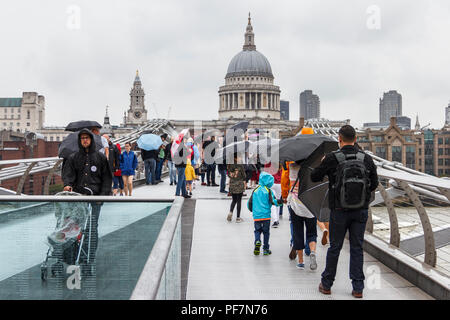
(176, 143)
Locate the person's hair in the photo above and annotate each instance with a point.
(127, 143)
(347, 133)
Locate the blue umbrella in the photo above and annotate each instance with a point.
(149, 142)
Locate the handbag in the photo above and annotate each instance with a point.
(296, 205)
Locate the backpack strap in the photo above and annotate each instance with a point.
(340, 156)
(360, 156)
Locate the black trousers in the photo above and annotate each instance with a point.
(237, 198)
(92, 226)
(341, 221)
(211, 173)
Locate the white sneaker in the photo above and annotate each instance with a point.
(230, 215)
(312, 261)
(238, 220)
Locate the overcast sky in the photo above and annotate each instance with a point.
(182, 48)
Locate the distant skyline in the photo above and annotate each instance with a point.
(83, 55)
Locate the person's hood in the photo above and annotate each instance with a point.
(92, 146)
(266, 180)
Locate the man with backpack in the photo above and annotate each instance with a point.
(352, 177)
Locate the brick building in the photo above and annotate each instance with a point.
(14, 146)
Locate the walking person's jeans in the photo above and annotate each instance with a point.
(172, 171)
(211, 174)
(341, 221)
(150, 171)
(223, 179)
(302, 226)
(159, 165)
(181, 185)
(264, 228)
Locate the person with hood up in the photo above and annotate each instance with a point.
(260, 203)
(87, 172)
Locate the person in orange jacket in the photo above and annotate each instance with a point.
(190, 176)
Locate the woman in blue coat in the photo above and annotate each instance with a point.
(128, 164)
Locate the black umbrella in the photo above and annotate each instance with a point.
(70, 145)
(205, 135)
(243, 125)
(300, 147)
(314, 195)
(78, 125)
(229, 150)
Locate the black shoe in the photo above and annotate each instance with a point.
(187, 196)
(214, 185)
(171, 183)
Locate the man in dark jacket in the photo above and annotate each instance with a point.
(341, 219)
(88, 172)
(150, 158)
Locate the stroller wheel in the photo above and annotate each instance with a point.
(44, 273)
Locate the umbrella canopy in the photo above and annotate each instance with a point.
(176, 143)
(243, 125)
(314, 195)
(205, 135)
(149, 142)
(78, 125)
(299, 148)
(70, 145)
(236, 147)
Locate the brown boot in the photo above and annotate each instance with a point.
(323, 290)
(358, 295)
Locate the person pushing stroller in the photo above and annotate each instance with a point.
(87, 172)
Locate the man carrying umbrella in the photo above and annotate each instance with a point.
(352, 174)
(87, 172)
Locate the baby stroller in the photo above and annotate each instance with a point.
(67, 242)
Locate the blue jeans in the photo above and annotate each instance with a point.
(264, 228)
(150, 169)
(172, 171)
(341, 221)
(117, 182)
(223, 179)
(159, 165)
(181, 185)
(299, 224)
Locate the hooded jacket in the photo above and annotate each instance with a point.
(261, 199)
(88, 169)
(128, 163)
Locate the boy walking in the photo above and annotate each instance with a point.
(190, 176)
(260, 203)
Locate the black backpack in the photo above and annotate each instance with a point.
(352, 181)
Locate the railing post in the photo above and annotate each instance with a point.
(430, 247)
(25, 175)
(393, 222)
(50, 175)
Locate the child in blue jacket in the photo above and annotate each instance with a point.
(262, 200)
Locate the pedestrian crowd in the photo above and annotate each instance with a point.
(274, 190)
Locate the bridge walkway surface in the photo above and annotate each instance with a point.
(222, 264)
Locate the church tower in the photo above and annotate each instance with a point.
(137, 114)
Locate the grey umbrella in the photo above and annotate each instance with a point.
(78, 125)
(70, 145)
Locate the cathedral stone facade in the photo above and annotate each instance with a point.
(249, 90)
